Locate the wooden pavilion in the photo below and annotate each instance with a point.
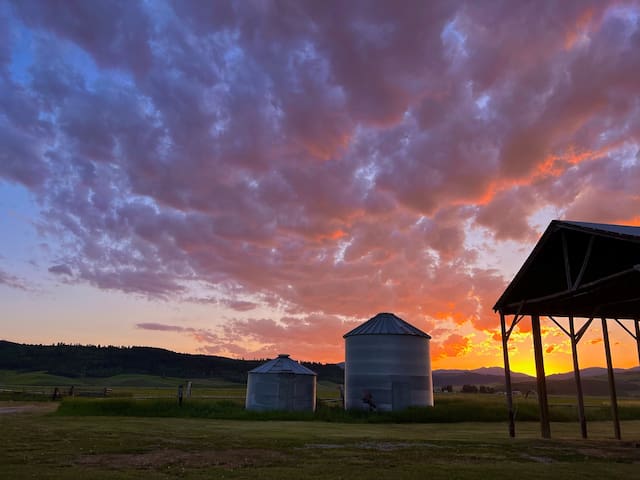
(576, 270)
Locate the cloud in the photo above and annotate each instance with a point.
(60, 269)
(13, 281)
(326, 161)
(199, 335)
(161, 327)
(114, 33)
(307, 337)
(310, 337)
(454, 345)
(507, 212)
(239, 305)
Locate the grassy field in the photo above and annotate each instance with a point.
(31, 385)
(139, 430)
(451, 408)
(43, 445)
(135, 381)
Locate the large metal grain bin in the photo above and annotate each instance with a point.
(387, 365)
(281, 384)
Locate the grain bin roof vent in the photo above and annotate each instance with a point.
(283, 364)
(386, 324)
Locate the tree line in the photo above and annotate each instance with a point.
(105, 361)
(469, 389)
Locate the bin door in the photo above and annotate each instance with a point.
(400, 395)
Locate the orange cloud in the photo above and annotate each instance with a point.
(454, 346)
(579, 30)
(556, 165)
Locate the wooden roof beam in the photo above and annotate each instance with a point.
(585, 262)
(586, 288)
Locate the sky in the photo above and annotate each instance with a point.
(250, 178)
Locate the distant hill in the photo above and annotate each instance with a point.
(493, 376)
(479, 376)
(86, 361)
(594, 380)
(587, 373)
(78, 361)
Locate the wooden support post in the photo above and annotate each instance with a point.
(507, 376)
(543, 401)
(576, 372)
(637, 322)
(612, 382)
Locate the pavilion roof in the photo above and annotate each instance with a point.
(579, 269)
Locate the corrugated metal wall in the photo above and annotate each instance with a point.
(281, 391)
(394, 370)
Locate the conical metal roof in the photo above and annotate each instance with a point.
(283, 364)
(386, 324)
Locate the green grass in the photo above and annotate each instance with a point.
(40, 386)
(70, 447)
(145, 395)
(34, 385)
(25, 379)
(448, 409)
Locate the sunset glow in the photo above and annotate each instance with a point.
(250, 178)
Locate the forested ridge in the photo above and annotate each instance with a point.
(105, 361)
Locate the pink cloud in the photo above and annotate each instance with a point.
(311, 337)
(326, 161)
(506, 214)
